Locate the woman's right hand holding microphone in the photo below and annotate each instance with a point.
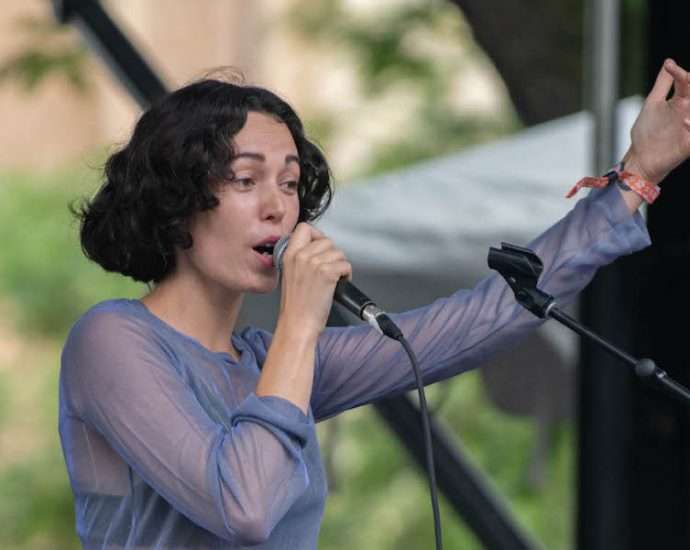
(311, 267)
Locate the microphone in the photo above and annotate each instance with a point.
(351, 298)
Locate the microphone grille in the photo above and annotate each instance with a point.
(279, 250)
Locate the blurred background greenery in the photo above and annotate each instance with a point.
(44, 286)
(415, 50)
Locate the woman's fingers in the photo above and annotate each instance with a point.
(307, 241)
(303, 234)
(313, 265)
(681, 78)
(308, 245)
(671, 74)
(663, 83)
(323, 255)
(681, 95)
(337, 270)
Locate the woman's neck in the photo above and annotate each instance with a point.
(207, 315)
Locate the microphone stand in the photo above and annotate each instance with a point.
(521, 268)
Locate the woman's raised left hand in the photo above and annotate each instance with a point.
(661, 133)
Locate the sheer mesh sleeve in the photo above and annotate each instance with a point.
(235, 478)
(355, 365)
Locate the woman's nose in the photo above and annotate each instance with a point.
(272, 203)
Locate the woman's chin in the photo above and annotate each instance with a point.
(265, 286)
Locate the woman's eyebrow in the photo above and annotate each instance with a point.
(262, 158)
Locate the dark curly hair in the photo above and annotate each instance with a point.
(180, 149)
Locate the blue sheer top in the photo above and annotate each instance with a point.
(167, 445)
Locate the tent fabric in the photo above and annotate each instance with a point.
(441, 215)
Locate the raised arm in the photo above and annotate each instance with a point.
(235, 474)
(355, 365)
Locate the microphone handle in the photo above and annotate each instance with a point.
(350, 297)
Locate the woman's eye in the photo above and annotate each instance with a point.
(291, 185)
(242, 183)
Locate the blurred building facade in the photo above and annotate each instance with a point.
(57, 123)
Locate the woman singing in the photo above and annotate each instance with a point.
(179, 431)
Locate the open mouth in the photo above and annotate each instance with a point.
(265, 249)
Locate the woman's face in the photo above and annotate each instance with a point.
(258, 206)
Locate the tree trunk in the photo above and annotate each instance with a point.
(536, 46)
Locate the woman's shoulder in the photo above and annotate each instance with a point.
(112, 345)
(117, 306)
(115, 335)
(109, 311)
(108, 320)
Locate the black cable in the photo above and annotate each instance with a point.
(390, 329)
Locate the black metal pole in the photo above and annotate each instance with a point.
(645, 369)
(463, 486)
(107, 40)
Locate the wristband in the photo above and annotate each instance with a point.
(625, 180)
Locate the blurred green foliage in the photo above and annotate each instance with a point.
(634, 49)
(36, 507)
(45, 285)
(414, 47)
(44, 272)
(382, 500)
(50, 51)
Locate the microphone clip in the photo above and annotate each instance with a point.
(521, 268)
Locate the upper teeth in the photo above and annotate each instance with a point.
(265, 248)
